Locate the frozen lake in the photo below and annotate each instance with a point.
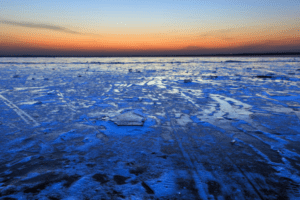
(219, 128)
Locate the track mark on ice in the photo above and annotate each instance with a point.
(189, 99)
(225, 108)
(106, 92)
(298, 114)
(27, 118)
(196, 174)
(64, 101)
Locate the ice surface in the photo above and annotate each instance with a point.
(91, 128)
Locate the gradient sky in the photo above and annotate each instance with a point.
(153, 27)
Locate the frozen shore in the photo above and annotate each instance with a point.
(150, 128)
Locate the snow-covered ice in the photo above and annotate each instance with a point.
(150, 128)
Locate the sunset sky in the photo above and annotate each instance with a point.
(140, 27)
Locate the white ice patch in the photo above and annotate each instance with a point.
(157, 82)
(177, 115)
(28, 103)
(239, 110)
(160, 114)
(71, 90)
(173, 91)
(142, 83)
(38, 91)
(151, 83)
(197, 93)
(30, 88)
(184, 120)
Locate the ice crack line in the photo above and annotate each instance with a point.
(195, 171)
(64, 101)
(27, 118)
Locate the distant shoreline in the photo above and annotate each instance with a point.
(288, 54)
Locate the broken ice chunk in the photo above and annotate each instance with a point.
(38, 103)
(263, 76)
(187, 80)
(129, 119)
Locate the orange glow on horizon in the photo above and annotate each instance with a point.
(16, 38)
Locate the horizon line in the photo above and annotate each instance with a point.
(178, 55)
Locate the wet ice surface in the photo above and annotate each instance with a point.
(230, 132)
